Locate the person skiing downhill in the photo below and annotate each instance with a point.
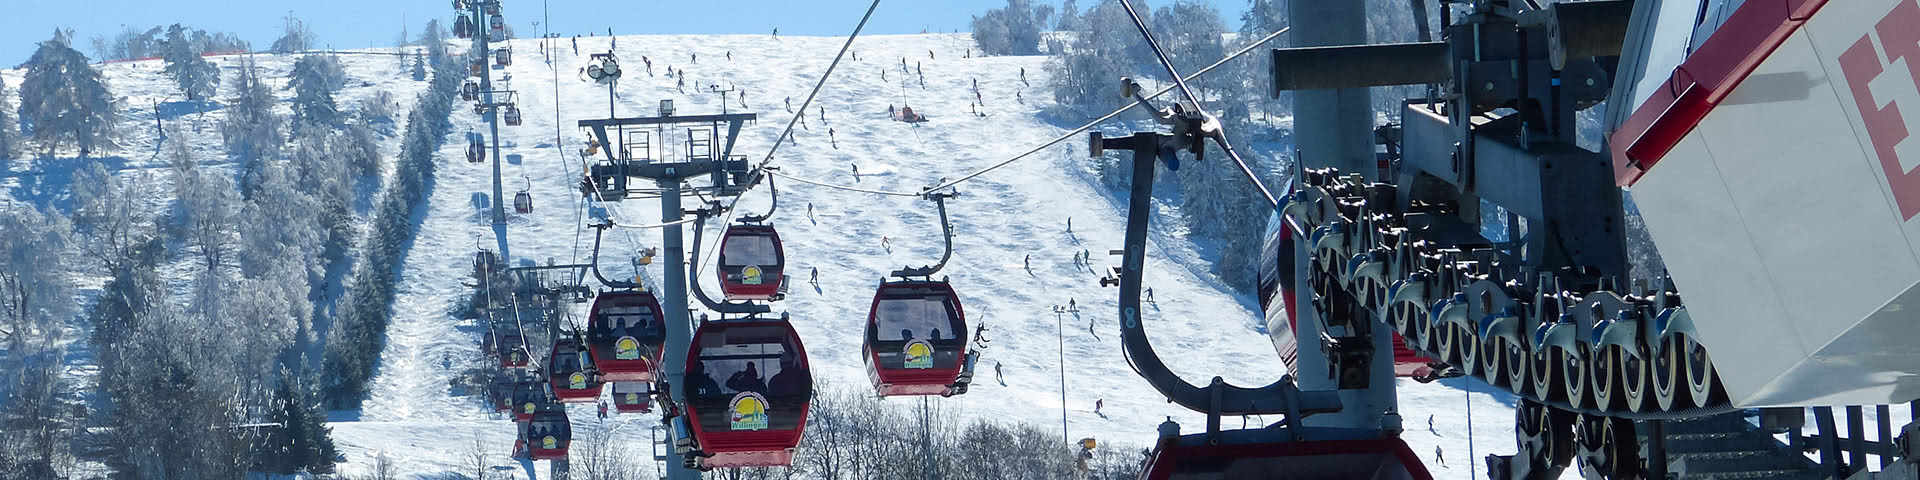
(1437, 457)
(999, 375)
(816, 275)
(1097, 403)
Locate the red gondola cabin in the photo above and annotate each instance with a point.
(752, 263)
(1378, 459)
(625, 335)
(916, 341)
(527, 397)
(632, 397)
(754, 418)
(567, 373)
(550, 433)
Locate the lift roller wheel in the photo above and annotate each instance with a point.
(1619, 379)
(1606, 447)
(1670, 391)
(1574, 368)
(1545, 436)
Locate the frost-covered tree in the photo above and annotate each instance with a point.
(314, 80)
(278, 222)
(9, 127)
(64, 100)
(110, 213)
(209, 203)
(1085, 79)
(252, 131)
(1012, 30)
(302, 441)
(1190, 33)
(294, 37)
(197, 77)
(362, 151)
(36, 293)
(1069, 19)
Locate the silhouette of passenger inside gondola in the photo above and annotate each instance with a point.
(792, 379)
(747, 381)
(703, 384)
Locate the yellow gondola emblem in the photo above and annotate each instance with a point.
(633, 398)
(749, 411)
(751, 275)
(918, 354)
(529, 407)
(626, 348)
(549, 443)
(577, 381)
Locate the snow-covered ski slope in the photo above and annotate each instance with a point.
(1199, 326)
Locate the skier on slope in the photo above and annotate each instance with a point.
(816, 270)
(1029, 263)
(1437, 457)
(1097, 403)
(999, 375)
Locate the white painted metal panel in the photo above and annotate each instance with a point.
(1719, 272)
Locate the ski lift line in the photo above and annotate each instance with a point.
(1083, 128)
(842, 187)
(1182, 83)
(816, 85)
(682, 221)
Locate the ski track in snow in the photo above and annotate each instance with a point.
(414, 417)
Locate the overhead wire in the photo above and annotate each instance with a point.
(1064, 136)
(788, 131)
(1182, 83)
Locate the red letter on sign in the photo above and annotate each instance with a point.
(1885, 126)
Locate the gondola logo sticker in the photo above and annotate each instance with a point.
(919, 354)
(577, 381)
(549, 443)
(529, 408)
(633, 398)
(626, 348)
(749, 411)
(751, 275)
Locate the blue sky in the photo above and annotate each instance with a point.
(364, 23)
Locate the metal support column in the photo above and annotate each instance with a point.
(679, 326)
(480, 37)
(1332, 127)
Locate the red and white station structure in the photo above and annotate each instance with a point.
(1775, 170)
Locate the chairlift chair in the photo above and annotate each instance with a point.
(568, 373)
(752, 262)
(916, 339)
(512, 115)
(626, 335)
(754, 418)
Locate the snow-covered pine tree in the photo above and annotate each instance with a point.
(198, 78)
(63, 99)
(251, 131)
(419, 67)
(314, 80)
(209, 203)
